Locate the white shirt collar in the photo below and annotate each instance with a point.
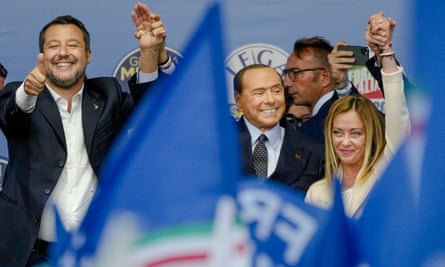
(274, 135)
(57, 97)
(321, 102)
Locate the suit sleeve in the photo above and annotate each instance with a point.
(138, 90)
(11, 116)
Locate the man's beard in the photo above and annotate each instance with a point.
(65, 83)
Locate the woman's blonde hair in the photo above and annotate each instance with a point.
(374, 123)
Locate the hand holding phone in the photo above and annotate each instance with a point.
(361, 53)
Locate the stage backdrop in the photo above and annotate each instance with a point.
(256, 31)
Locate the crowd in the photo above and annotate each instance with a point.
(304, 127)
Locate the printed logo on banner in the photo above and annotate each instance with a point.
(367, 85)
(257, 53)
(129, 64)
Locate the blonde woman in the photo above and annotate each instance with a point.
(358, 145)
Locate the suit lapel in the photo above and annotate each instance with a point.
(48, 108)
(292, 158)
(91, 108)
(246, 148)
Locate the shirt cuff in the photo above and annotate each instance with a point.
(167, 68)
(344, 91)
(144, 77)
(25, 102)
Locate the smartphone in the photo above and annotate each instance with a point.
(361, 53)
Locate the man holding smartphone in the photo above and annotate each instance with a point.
(312, 81)
(342, 58)
(316, 75)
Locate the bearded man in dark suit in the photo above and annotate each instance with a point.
(59, 127)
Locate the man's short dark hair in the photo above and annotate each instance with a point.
(318, 44)
(65, 20)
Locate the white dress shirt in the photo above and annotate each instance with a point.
(77, 183)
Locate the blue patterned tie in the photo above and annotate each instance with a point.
(260, 157)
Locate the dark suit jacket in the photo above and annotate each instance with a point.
(300, 163)
(37, 154)
(375, 72)
(314, 127)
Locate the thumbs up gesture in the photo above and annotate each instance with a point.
(35, 81)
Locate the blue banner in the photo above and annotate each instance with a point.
(429, 44)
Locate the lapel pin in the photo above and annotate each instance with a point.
(298, 157)
(95, 106)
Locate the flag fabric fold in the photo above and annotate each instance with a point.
(167, 189)
(285, 231)
(429, 72)
(387, 230)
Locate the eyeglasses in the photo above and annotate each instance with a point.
(293, 73)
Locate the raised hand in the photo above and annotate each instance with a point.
(379, 32)
(149, 28)
(341, 62)
(35, 81)
(151, 34)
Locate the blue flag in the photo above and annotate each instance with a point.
(285, 231)
(168, 188)
(334, 245)
(432, 204)
(429, 71)
(403, 220)
(387, 230)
